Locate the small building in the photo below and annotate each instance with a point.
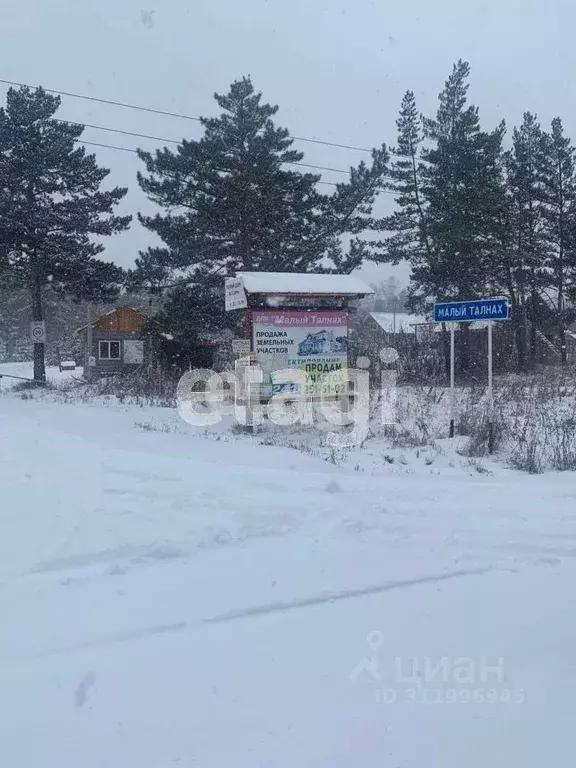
(398, 322)
(300, 322)
(120, 343)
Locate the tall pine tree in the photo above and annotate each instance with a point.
(409, 240)
(462, 184)
(234, 200)
(450, 193)
(523, 241)
(51, 205)
(449, 190)
(559, 212)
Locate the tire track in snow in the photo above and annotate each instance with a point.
(142, 633)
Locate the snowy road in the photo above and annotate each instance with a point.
(171, 600)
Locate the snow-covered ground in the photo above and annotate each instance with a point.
(14, 373)
(175, 598)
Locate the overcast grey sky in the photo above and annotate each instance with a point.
(337, 68)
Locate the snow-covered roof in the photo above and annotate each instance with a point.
(401, 321)
(301, 283)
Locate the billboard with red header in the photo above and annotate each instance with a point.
(314, 342)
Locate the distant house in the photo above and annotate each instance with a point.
(402, 323)
(398, 322)
(119, 341)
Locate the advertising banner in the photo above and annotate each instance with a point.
(315, 343)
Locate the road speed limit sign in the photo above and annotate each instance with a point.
(38, 331)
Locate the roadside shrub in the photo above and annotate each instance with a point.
(561, 440)
(527, 452)
(147, 386)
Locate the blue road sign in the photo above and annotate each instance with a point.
(467, 311)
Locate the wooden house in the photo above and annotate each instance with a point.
(119, 342)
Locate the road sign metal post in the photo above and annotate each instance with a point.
(468, 312)
(246, 390)
(490, 393)
(452, 393)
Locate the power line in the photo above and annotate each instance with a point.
(116, 130)
(170, 114)
(107, 146)
(135, 152)
(103, 101)
(172, 141)
(175, 141)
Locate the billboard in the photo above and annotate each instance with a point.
(314, 342)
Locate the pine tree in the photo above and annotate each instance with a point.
(409, 240)
(189, 318)
(523, 241)
(448, 176)
(559, 213)
(463, 188)
(233, 200)
(50, 206)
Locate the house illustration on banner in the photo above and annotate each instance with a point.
(322, 343)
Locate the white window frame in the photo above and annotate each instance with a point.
(108, 342)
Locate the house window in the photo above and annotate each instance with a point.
(109, 350)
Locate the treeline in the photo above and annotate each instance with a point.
(236, 199)
(477, 212)
(477, 218)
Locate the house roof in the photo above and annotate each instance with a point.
(112, 318)
(303, 284)
(406, 323)
(401, 321)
